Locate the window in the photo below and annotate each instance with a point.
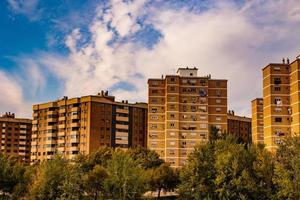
(172, 133)
(202, 125)
(218, 109)
(276, 68)
(155, 117)
(154, 126)
(172, 107)
(154, 91)
(218, 93)
(277, 80)
(218, 118)
(278, 119)
(218, 101)
(278, 101)
(172, 124)
(172, 116)
(154, 110)
(277, 89)
(172, 143)
(278, 109)
(172, 79)
(172, 89)
(154, 100)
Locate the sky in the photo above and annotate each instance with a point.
(51, 49)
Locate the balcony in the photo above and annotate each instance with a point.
(74, 140)
(51, 134)
(33, 157)
(122, 119)
(22, 142)
(75, 124)
(75, 117)
(75, 133)
(74, 148)
(75, 109)
(51, 119)
(52, 127)
(121, 126)
(34, 135)
(34, 122)
(36, 114)
(62, 118)
(61, 126)
(34, 128)
(50, 148)
(61, 133)
(51, 142)
(121, 141)
(33, 143)
(52, 112)
(22, 148)
(62, 110)
(124, 111)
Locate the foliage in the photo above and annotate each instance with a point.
(287, 169)
(147, 158)
(163, 177)
(127, 179)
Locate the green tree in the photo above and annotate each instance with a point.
(12, 179)
(94, 182)
(287, 169)
(197, 176)
(126, 178)
(163, 177)
(147, 158)
(50, 180)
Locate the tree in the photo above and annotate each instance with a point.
(147, 158)
(197, 176)
(126, 178)
(51, 180)
(287, 169)
(94, 182)
(163, 177)
(11, 176)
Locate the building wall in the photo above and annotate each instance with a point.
(257, 121)
(239, 126)
(276, 98)
(82, 125)
(15, 136)
(181, 110)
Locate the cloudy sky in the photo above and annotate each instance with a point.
(49, 49)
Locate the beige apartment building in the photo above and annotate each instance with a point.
(15, 136)
(257, 121)
(240, 126)
(281, 102)
(181, 110)
(81, 125)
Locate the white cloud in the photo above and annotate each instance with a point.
(228, 41)
(11, 97)
(26, 7)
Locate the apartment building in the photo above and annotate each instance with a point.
(281, 104)
(81, 125)
(257, 121)
(15, 136)
(181, 110)
(239, 126)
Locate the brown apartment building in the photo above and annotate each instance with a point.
(239, 126)
(15, 136)
(181, 110)
(281, 102)
(81, 125)
(257, 121)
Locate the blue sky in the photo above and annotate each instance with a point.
(49, 49)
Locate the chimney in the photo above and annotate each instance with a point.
(126, 101)
(288, 61)
(106, 93)
(283, 60)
